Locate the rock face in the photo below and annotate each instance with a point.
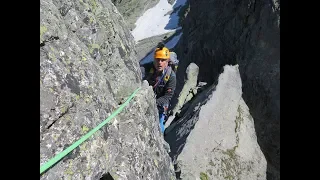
(133, 9)
(189, 88)
(146, 46)
(88, 67)
(222, 144)
(219, 32)
(171, 1)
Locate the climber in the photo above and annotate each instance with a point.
(162, 78)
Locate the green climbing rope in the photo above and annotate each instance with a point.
(62, 154)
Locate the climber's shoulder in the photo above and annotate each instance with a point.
(172, 74)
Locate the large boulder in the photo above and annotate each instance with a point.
(189, 89)
(215, 138)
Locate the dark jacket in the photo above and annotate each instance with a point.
(164, 90)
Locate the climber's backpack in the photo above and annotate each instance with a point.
(173, 62)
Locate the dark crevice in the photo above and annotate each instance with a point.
(109, 88)
(61, 115)
(64, 10)
(49, 40)
(71, 155)
(106, 176)
(52, 38)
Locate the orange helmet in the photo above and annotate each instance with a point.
(162, 52)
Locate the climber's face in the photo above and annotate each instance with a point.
(160, 64)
